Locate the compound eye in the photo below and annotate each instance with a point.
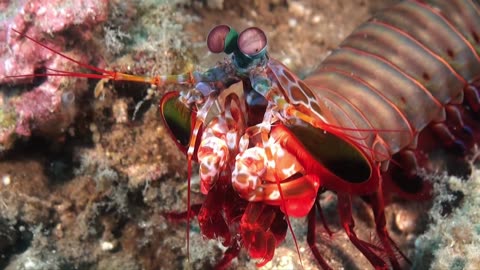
(252, 41)
(216, 38)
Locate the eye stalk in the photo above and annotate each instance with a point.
(222, 38)
(249, 48)
(252, 42)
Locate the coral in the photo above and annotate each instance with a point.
(46, 107)
(453, 238)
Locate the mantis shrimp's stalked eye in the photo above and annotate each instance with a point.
(252, 42)
(222, 38)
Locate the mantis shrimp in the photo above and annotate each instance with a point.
(268, 142)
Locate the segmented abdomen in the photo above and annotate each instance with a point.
(400, 69)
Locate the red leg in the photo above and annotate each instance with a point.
(311, 239)
(378, 207)
(322, 217)
(345, 211)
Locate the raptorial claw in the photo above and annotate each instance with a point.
(246, 177)
(212, 154)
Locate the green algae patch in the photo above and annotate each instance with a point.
(8, 118)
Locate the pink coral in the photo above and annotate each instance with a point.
(49, 107)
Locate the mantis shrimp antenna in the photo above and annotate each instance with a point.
(185, 78)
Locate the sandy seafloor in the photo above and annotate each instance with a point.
(91, 196)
